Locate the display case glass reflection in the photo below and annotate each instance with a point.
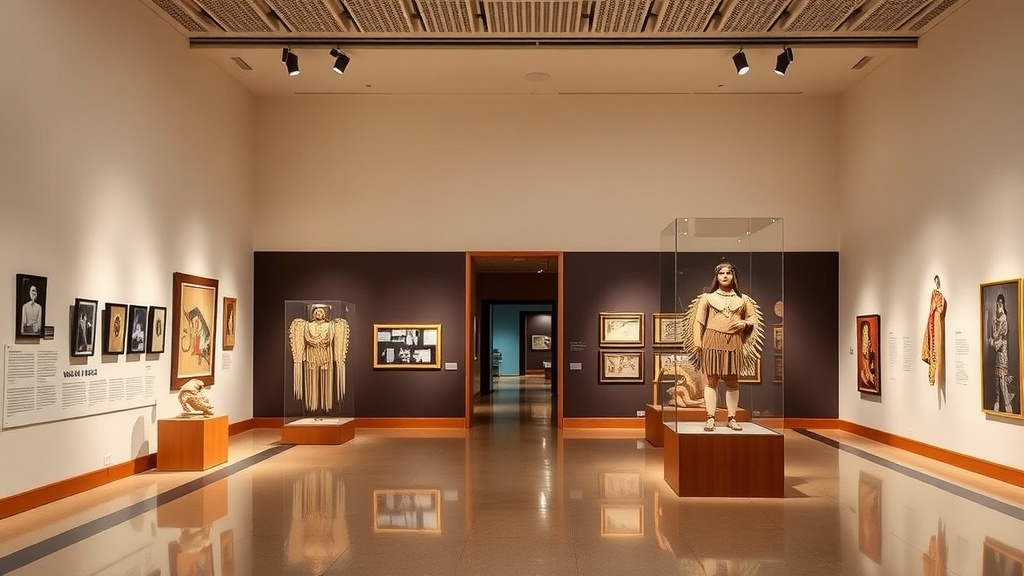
(407, 510)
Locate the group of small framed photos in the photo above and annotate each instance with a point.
(407, 346)
(127, 328)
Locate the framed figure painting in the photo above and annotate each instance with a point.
(83, 327)
(1000, 347)
(115, 328)
(194, 319)
(869, 365)
(229, 322)
(30, 312)
(137, 329)
(668, 329)
(157, 329)
(622, 366)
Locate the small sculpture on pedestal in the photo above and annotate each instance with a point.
(193, 401)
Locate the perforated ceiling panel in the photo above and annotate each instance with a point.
(532, 17)
(450, 16)
(383, 16)
(188, 19)
(685, 15)
(237, 15)
(888, 15)
(931, 14)
(309, 15)
(820, 15)
(618, 16)
(752, 15)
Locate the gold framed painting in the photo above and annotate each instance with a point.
(624, 366)
(621, 329)
(230, 304)
(668, 329)
(194, 329)
(407, 346)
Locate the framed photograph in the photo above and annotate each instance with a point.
(1000, 348)
(83, 327)
(30, 307)
(621, 485)
(777, 336)
(157, 325)
(869, 517)
(407, 346)
(751, 376)
(778, 369)
(229, 322)
(998, 559)
(540, 342)
(115, 327)
(624, 366)
(137, 319)
(621, 329)
(622, 520)
(668, 329)
(869, 360)
(194, 332)
(406, 510)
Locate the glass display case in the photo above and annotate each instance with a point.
(319, 407)
(724, 327)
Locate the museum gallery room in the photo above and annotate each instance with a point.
(460, 287)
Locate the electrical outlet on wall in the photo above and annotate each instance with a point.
(107, 459)
(641, 413)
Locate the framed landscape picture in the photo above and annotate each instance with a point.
(411, 346)
(1000, 347)
(621, 329)
(114, 328)
(540, 342)
(83, 327)
(194, 332)
(30, 306)
(869, 363)
(229, 322)
(157, 325)
(624, 366)
(668, 329)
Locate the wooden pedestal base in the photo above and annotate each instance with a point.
(326, 431)
(748, 464)
(191, 443)
(654, 419)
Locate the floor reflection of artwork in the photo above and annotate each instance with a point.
(192, 553)
(622, 520)
(407, 510)
(227, 553)
(869, 517)
(935, 560)
(998, 559)
(318, 532)
(621, 485)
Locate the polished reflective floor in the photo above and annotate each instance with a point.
(515, 496)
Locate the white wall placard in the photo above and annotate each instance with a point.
(39, 386)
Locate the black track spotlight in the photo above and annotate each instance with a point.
(291, 61)
(341, 60)
(782, 61)
(740, 60)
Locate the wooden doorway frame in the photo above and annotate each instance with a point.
(470, 296)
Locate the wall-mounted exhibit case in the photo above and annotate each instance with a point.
(721, 282)
(318, 403)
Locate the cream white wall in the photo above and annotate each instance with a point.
(933, 183)
(538, 172)
(123, 158)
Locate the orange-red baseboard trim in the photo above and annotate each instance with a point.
(410, 423)
(603, 423)
(963, 461)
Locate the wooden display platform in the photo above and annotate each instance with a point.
(654, 420)
(724, 463)
(330, 431)
(191, 443)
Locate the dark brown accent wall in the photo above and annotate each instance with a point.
(812, 334)
(385, 288)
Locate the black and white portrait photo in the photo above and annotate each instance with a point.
(1000, 340)
(31, 306)
(137, 329)
(83, 327)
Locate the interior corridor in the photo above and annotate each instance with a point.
(515, 496)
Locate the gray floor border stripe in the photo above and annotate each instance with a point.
(39, 550)
(955, 489)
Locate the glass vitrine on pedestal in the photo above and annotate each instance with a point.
(744, 459)
(319, 406)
